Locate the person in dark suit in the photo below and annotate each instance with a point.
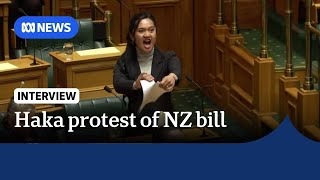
(11, 134)
(142, 60)
(8, 131)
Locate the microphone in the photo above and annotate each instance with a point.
(191, 80)
(34, 48)
(106, 88)
(34, 57)
(200, 87)
(109, 90)
(202, 106)
(34, 54)
(22, 12)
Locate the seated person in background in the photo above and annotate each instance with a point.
(142, 60)
(8, 131)
(27, 7)
(19, 8)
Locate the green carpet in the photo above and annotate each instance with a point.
(277, 49)
(190, 100)
(277, 42)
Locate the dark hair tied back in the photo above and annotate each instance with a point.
(134, 23)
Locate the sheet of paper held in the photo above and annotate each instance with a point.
(151, 92)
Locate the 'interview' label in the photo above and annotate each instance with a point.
(46, 95)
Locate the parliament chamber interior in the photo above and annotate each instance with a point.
(257, 60)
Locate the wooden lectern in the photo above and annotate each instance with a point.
(14, 72)
(89, 73)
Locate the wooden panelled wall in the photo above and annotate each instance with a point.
(174, 22)
(183, 25)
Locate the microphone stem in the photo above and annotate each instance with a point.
(34, 54)
(116, 96)
(202, 112)
(122, 108)
(202, 105)
(197, 85)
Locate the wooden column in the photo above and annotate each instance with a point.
(217, 59)
(284, 83)
(289, 80)
(230, 41)
(264, 94)
(4, 13)
(308, 108)
(264, 85)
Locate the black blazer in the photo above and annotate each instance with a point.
(127, 70)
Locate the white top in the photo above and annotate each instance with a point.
(145, 61)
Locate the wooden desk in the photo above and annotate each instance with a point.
(87, 73)
(33, 77)
(4, 13)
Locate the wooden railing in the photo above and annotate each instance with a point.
(302, 104)
(95, 8)
(243, 82)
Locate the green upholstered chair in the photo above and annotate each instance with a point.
(111, 106)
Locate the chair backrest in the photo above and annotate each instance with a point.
(82, 41)
(111, 106)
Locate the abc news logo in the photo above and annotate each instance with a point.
(46, 27)
(27, 27)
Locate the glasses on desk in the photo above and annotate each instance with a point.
(68, 50)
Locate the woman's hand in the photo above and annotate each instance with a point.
(142, 76)
(168, 82)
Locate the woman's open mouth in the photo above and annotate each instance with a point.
(147, 43)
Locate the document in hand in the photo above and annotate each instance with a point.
(151, 92)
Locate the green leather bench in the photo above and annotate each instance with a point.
(111, 106)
